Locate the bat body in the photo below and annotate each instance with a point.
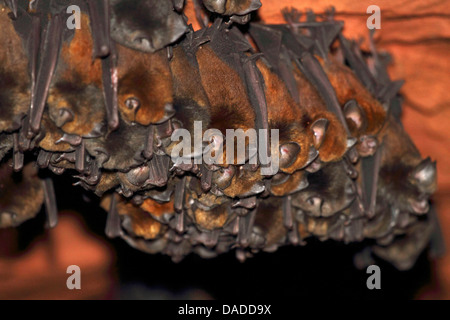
(147, 25)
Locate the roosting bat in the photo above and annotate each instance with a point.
(147, 25)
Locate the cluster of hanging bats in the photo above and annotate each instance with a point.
(101, 102)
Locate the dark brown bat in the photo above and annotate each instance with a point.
(406, 181)
(21, 194)
(147, 25)
(403, 252)
(269, 229)
(329, 191)
(121, 149)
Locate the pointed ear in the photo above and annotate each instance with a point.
(354, 112)
(424, 176)
(351, 141)
(319, 128)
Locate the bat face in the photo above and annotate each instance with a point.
(329, 191)
(21, 194)
(144, 86)
(406, 181)
(147, 25)
(14, 77)
(122, 148)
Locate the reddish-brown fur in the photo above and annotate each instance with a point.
(347, 87)
(146, 77)
(334, 144)
(285, 115)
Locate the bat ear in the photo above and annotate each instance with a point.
(351, 141)
(319, 128)
(217, 6)
(424, 176)
(288, 154)
(354, 112)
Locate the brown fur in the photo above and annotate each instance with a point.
(212, 219)
(142, 223)
(242, 182)
(146, 77)
(269, 217)
(289, 186)
(78, 86)
(229, 104)
(21, 194)
(347, 87)
(334, 145)
(400, 157)
(286, 116)
(52, 134)
(156, 209)
(14, 77)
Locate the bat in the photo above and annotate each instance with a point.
(22, 194)
(75, 101)
(147, 25)
(269, 230)
(406, 180)
(151, 100)
(296, 142)
(329, 191)
(365, 115)
(121, 149)
(14, 76)
(283, 184)
(271, 41)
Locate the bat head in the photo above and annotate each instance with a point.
(329, 191)
(358, 122)
(408, 187)
(21, 194)
(144, 87)
(145, 25)
(244, 181)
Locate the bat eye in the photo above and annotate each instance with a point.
(133, 103)
(288, 154)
